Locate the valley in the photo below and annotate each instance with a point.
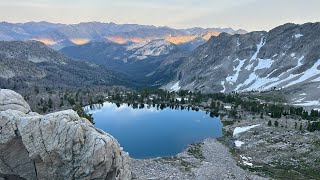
(151, 63)
(262, 86)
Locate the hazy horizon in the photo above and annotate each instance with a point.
(250, 15)
(22, 22)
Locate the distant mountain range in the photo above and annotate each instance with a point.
(58, 36)
(32, 63)
(287, 57)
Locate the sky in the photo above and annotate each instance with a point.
(238, 14)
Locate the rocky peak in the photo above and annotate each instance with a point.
(59, 145)
(153, 48)
(258, 61)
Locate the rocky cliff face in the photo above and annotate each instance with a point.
(55, 146)
(283, 57)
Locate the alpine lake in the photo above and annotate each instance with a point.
(150, 131)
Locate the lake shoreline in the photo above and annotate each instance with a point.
(204, 160)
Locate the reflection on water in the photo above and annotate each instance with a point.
(154, 131)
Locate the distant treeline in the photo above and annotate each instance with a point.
(214, 102)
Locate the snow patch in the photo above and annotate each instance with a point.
(238, 143)
(265, 83)
(259, 46)
(232, 79)
(246, 160)
(239, 130)
(298, 36)
(300, 100)
(250, 79)
(263, 64)
(176, 87)
(313, 71)
(271, 73)
(309, 103)
(238, 43)
(316, 80)
(254, 57)
(300, 61)
(217, 67)
(291, 76)
(249, 66)
(260, 83)
(224, 87)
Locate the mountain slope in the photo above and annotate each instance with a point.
(283, 57)
(149, 63)
(31, 63)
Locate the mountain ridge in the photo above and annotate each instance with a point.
(284, 57)
(32, 63)
(58, 36)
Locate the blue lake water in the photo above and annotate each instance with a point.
(151, 132)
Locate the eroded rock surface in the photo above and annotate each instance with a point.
(12, 100)
(55, 146)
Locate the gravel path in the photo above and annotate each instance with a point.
(215, 163)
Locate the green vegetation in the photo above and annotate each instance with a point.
(284, 172)
(195, 150)
(214, 103)
(81, 113)
(227, 123)
(182, 164)
(276, 123)
(45, 99)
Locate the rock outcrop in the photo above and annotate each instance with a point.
(60, 145)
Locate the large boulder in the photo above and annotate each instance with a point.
(12, 100)
(60, 145)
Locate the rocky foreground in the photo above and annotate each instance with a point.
(204, 161)
(60, 145)
(283, 151)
